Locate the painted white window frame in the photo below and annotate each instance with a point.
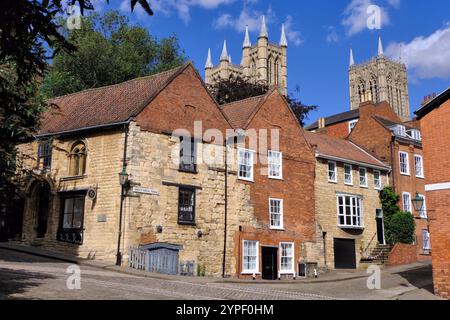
(345, 174)
(409, 204)
(426, 235)
(421, 173)
(335, 171)
(380, 182)
(366, 184)
(278, 162)
(424, 213)
(249, 271)
(292, 270)
(252, 165)
(351, 125)
(281, 204)
(407, 172)
(352, 211)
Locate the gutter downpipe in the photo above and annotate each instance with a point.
(393, 162)
(122, 197)
(226, 211)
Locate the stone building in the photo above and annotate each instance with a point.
(348, 208)
(279, 174)
(380, 79)
(262, 62)
(434, 117)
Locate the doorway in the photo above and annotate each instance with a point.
(43, 205)
(344, 254)
(380, 227)
(269, 263)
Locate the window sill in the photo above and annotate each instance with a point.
(351, 227)
(188, 171)
(246, 180)
(250, 273)
(405, 174)
(348, 184)
(73, 178)
(420, 177)
(187, 224)
(277, 229)
(365, 187)
(276, 178)
(283, 273)
(331, 181)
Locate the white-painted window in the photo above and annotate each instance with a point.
(275, 164)
(426, 243)
(276, 213)
(287, 257)
(352, 125)
(350, 211)
(377, 179)
(250, 257)
(348, 174)
(423, 213)
(363, 177)
(418, 165)
(245, 164)
(404, 163)
(406, 199)
(332, 171)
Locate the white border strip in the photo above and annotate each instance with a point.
(437, 186)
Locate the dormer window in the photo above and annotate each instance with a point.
(414, 134)
(400, 130)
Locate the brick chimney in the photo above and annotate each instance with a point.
(428, 98)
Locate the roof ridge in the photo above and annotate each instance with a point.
(120, 83)
(360, 148)
(244, 100)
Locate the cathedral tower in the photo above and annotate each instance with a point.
(263, 62)
(380, 79)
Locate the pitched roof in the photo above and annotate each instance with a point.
(389, 123)
(432, 104)
(238, 113)
(103, 106)
(337, 118)
(341, 149)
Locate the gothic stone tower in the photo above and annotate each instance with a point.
(264, 61)
(380, 79)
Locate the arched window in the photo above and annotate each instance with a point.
(277, 71)
(78, 160)
(362, 92)
(269, 70)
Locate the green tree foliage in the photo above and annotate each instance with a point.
(109, 51)
(239, 88)
(399, 226)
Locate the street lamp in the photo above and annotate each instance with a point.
(418, 203)
(124, 182)
(123, 177)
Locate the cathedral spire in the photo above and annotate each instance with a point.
(229, 59)
(352, 60)
(380, 47)
(263, 33)
(224, 55)
(209, 60)
(247, 43)
(283, 40)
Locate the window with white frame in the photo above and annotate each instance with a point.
(418, 165)
(426, 243)
(406, 199)
(404, 163)
(423, 213)
(275, 164)
(287, 257)
(377, 179)
(276, 213)
(348, 174)
(332, 171)
(250, 258)
(350, 211)
(352, 125)
(362, 177)
(245, 164)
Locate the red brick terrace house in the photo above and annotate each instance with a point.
(434, 118)
(281, 182)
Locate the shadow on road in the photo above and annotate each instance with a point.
(14, 282)
(421, 278)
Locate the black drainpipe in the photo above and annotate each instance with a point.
(393, 162)
(122, 198)
(226, 211)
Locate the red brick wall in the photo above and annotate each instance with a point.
(338, 130)
(436, 137)
(296, 189)
(403, 254)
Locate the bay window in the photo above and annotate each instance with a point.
(350, 211)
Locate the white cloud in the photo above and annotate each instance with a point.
(355, 16)
(247, 17)
(426, 56)
(293, 35)
(181, 7)
(394, 3)
(333, 35)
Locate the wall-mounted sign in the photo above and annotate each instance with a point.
(146, 191)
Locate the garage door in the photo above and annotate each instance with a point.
(163, 258)
(344, 254)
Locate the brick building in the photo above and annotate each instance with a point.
(280, 178)
(348, 208)
(434, 117)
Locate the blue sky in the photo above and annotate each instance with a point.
(320, 35)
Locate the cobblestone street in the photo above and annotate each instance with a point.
(24, 276)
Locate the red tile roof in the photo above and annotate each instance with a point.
(106, 105)
(239, 112)
(336, 148)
